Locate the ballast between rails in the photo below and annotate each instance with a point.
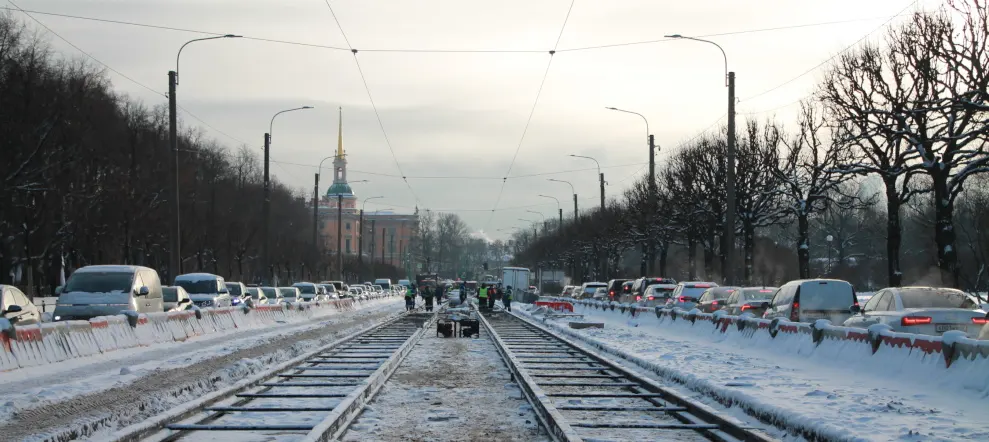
(522, 334)
(331, 426)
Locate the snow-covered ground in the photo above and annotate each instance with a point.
(449, 389)
(842, 396)
(45, 400)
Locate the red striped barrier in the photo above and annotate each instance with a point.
(555, 305)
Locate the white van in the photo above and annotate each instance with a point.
(807, 300)
(105, 290)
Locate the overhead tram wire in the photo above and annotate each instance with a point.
(528, 121)
(829, 59)
(374, 107)
(421, 50)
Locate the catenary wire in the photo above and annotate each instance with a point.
(532, 111)
(374, 107)
(829, 59)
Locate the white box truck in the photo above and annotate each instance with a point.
(517, 278)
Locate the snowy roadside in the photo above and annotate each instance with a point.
(839, 395)
(136, 384)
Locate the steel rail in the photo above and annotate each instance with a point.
(555, 353)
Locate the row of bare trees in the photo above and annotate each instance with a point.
(895, 132)
(85, 179)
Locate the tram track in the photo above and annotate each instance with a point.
(312, 397)
(579, 394)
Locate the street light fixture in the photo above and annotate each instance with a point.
(574, 192)
(175, 246)
(647, 246)
(728, 231)
(600, 175)
(266, 206)
(558, 208)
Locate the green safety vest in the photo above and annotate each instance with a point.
(483, 293)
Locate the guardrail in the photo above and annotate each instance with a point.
(950, 348)
(46, 343)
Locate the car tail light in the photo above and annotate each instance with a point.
(682, 299)
(915, 320)
(795, 312)
(612, 293)
(652, 298)
(638, 298)
(980, 321)
(714, 302)
(747, 307)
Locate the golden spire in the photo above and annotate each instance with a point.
(340, 136)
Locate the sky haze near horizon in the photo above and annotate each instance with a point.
(463, 113)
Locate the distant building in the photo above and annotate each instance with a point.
(392, 232)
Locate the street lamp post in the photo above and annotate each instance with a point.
(574, 192)
(648, 247)
(360, 240)
(729, 227)
(542, 216)
(175, 246)
(600, 175)
(829, 238)
(558, 208)
(266, 205)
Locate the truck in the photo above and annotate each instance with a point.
(516, 277)
(430, 279)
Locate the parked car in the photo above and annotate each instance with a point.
(331, 291)
(686, 294)
(713, 299)
(175, 298)
(272, 295)
(289, 294)
(807, 300)
(923, 310)
(378, 289)
(627, 288)
(640, 285)
(238, 292)
(385, 283)
(615, 288)
(205, 289)
(600, 294)
(16, 307)
(258, 295)
(104, 290)
(656, 294)
(587, 289)
(568, 291)
(748, 300)
(307, 291)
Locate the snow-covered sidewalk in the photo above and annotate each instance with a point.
(818, 388)
(126, 386)
(449, 389)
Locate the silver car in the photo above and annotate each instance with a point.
(290, 294)
(175, 297)
(686, 294)
(921, 310)
(257, 295)
(205, 289)
(272, 295)
(16, 308)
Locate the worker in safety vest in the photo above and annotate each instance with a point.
(506, 298)
(482, 297)
(427, 295)
(410, 298)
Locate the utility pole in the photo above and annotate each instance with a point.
(602, 190)
(575, 206)
(266, 213)
(560, 225)
(650, 246)
(340, 235)
(729, 270)
(175, 257)
(315, 215)
(373, 245)
(360, 246)
(383, 245)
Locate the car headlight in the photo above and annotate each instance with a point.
(58, 318)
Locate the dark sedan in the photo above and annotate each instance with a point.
(748, 300)
(713, 299)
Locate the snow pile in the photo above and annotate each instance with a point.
(47, 343)
(818, 380)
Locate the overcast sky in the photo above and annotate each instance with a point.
(457, 114)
